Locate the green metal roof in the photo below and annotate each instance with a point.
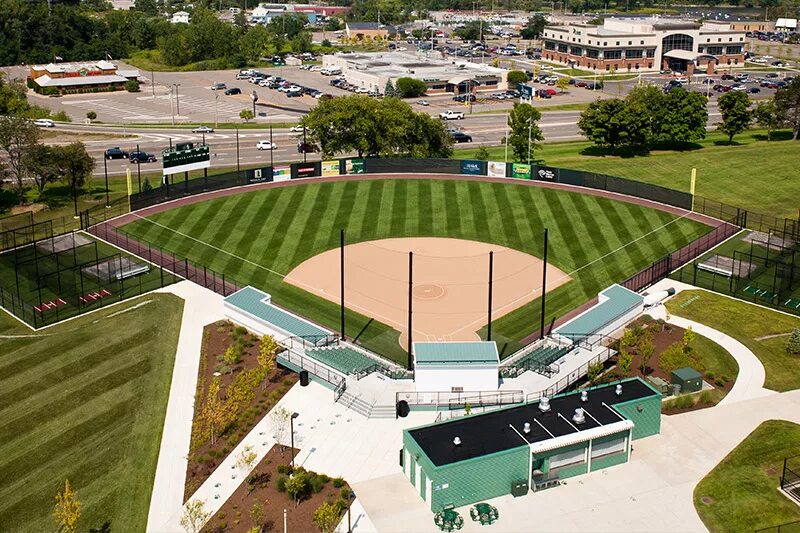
(251, 301)
(686, 373)
(464, 353)
(615, 302)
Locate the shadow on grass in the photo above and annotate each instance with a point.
(624, 152)
(775, 136)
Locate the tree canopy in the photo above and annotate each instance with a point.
(524, 131)
(410, 87)
(734, 106)
(367, 126)
(787, 105)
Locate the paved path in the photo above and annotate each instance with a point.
(201, 307)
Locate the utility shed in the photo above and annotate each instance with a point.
(456, 366)
(688, 378)
(535, 445)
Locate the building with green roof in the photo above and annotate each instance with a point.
(456, 366)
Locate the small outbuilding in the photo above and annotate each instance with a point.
(689, 379)
(456, 366)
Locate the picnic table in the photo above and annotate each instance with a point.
(448, 520)
(484, 513)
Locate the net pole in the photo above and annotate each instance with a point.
(341, 269)
(410, 285)
(544, 286)
(489, 311)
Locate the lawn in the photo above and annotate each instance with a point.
(746, 323)
(85, 401)
(724, 173)
(741, 492)
(264, 234)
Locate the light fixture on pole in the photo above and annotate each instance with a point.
(216, 109)
(349, 523)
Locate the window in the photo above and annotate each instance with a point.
(549, 45)
(617, 43)
(735, 49)
(562, 48)
(605, 43)
(576, 50)
(594, 54)
(633, 54)
(714, 50)
(612, 54)
(679, 41)
(630, 43)
(641, 42)
(607, 448)
(567, 458)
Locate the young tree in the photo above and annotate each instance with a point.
(246, 460)
(593, 372)
(389, 90)
(515, 77)
(689, 337)
(410, 87)
(76, 166)
(327, 517)
(625, 361)
(562, 83)
(787, 104)
(194, 516)
(482, 154)
(766, 115)
(267, 350)
(232, 356)
(257, 515)
(298, 486)
(524, 131)
(246, 115)
(734, 108)
(91, 115)
(213, 409)
(40, 161)
(67, 510)
(279, 422)
(17, 137)
(646, 349)
(793, 346)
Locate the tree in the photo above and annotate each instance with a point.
(255, 42)
(148, 7)
(410, 87)
(246, 459)
(515, 77)
(534, 28)
(389, 90)
(40, 162)
(689, 337)
(17, 136)
(766, 115)
(267, 350)
(75, 167)
(562, 83)
(194, 516)
(246, 115)
(298, 486)
(132, 86)
(793, 345)
(279, 422)
(327, 517)
(482, 154)
(471, 31)
(684, 116)
(257, 516)
(624, 362)
(301, 42)
(91, 115)
(213, 409)
(524, 130)
(646, 349)
(333, 24)
(787, 104)
(614, 124)
(734, 108)
(67, 510)
(593, 372)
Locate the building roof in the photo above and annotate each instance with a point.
(365, 26)
(687, 55)
(47, 81)
(614, 302)
(256, 304)
(503, 429)
(686, 373)
(455, 353)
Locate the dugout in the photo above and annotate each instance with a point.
(529, 447)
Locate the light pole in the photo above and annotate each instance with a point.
(216, 109)
(177, 99)
(171, 106)
(530, 126)
(349, 524)
(291, 423)
(105, 171)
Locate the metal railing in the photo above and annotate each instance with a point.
(310, 341)
(573, 377)
(338, 381)
(449, 399)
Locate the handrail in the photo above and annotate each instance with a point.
(568, 380)
(445, 398)
(309, 363)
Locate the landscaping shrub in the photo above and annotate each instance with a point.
(345, 493)
(338, 482)
(298, 487)
(317, 484)
(793, 345)
(280, 483)
(705, 397)
(283, 469)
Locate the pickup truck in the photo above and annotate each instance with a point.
(451, 115)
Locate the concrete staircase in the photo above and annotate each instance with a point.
(364, 408)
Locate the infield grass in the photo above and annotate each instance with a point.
(257, 238)
(85, 400)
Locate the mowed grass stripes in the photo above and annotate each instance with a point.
(85, 400)
(266, 233)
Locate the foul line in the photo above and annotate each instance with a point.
(262, 267)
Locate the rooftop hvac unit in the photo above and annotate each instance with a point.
(618, 390)
(526, 427)
(584, 396)
(457, 441)
(544, 404)
(579, 417)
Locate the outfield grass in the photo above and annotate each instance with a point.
(266, 233)
(85, 401)
(746, 322)
(741, 492)
(753, 173)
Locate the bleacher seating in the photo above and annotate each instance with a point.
(342, 358)
(538, 360)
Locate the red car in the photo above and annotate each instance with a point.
(580, 84)
(551, 92)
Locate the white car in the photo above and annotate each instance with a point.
(682, 79)
(266, 145)
(203, 129)
(44, 122)
(362, 90)
(451, 115)
(299, 128)
(424, 103)
(263, 83)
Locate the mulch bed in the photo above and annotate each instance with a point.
(235, 514)
(204, 458)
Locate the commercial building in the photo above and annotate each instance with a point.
(645, 44)
(264, 12)
(530, 447)
(373, 70)
(367, 29)
(180, 17)
(65, 78)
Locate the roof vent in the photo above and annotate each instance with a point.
(579, 417)
(584, 396)
(618, 390)
(526, 427)
(544, 404)
(457, 441)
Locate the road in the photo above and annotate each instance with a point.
(485, 129)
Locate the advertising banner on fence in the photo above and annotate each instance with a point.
(330, 168)
(473, 168)
(281, 173)
(355, 166)
(497, 169)
(521, 170)
(258, 175)
(305, 170)
(546, 174)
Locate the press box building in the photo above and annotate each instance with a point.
(529, 447)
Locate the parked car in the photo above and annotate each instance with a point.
(297, 128)
(203, 129)
(460, 137)
(243, 76)
(424, 103)
(141, 157)
(218, 86)
(233, 90)
(464, 98)
(44, 123)
(451, 115)
(266, 145)
(542, 93)
(116, 153)
(551, 92)
(754, 90)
